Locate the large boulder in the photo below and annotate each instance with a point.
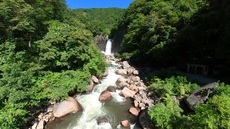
(200, 95)
(66, 107)
(95, 79)
(121, 72)
(105, 96)
(121, 82)
(136, 79)
(134, 111)
(135, 72)
(130, 70)
(127, 92)
(125, 123)
(125, 64)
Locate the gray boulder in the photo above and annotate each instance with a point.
(200, 95)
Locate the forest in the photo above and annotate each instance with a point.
(168, 34)
(47, 53)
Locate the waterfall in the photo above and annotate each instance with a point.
(108, 47)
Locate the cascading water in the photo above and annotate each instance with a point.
(114, 111)
(108, 47)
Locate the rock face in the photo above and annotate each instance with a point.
(200, 95)
(66, 107)
(105, 96)
(100, 41)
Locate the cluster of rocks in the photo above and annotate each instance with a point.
(130, 86)
(57, 110)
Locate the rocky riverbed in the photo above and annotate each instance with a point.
(129, 85)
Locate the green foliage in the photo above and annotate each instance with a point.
(56, 86)
(222, 89)
(45, 54)
(167, 72)
(11, 115)
(179, 86)
(164, 114)
(126, 55)
(207, 41)
(24, 21)
(67, 47)
(172, 32)
(215, 114)
(99, 20)
(63, 47)
(154, 25)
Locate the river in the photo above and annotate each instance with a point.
(114, 111)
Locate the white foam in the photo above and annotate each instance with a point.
(131, 126)
(117, 97)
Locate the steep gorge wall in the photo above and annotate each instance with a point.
(100, 41)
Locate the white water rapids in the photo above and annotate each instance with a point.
(93, 108)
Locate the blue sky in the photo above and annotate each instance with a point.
(73, 4)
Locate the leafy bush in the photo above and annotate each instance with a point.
(56, 86)
(215, 114)
(33, 69)
(167, 72)
(164, 114)
(153, 26)
(179, 86)
(99, 20)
